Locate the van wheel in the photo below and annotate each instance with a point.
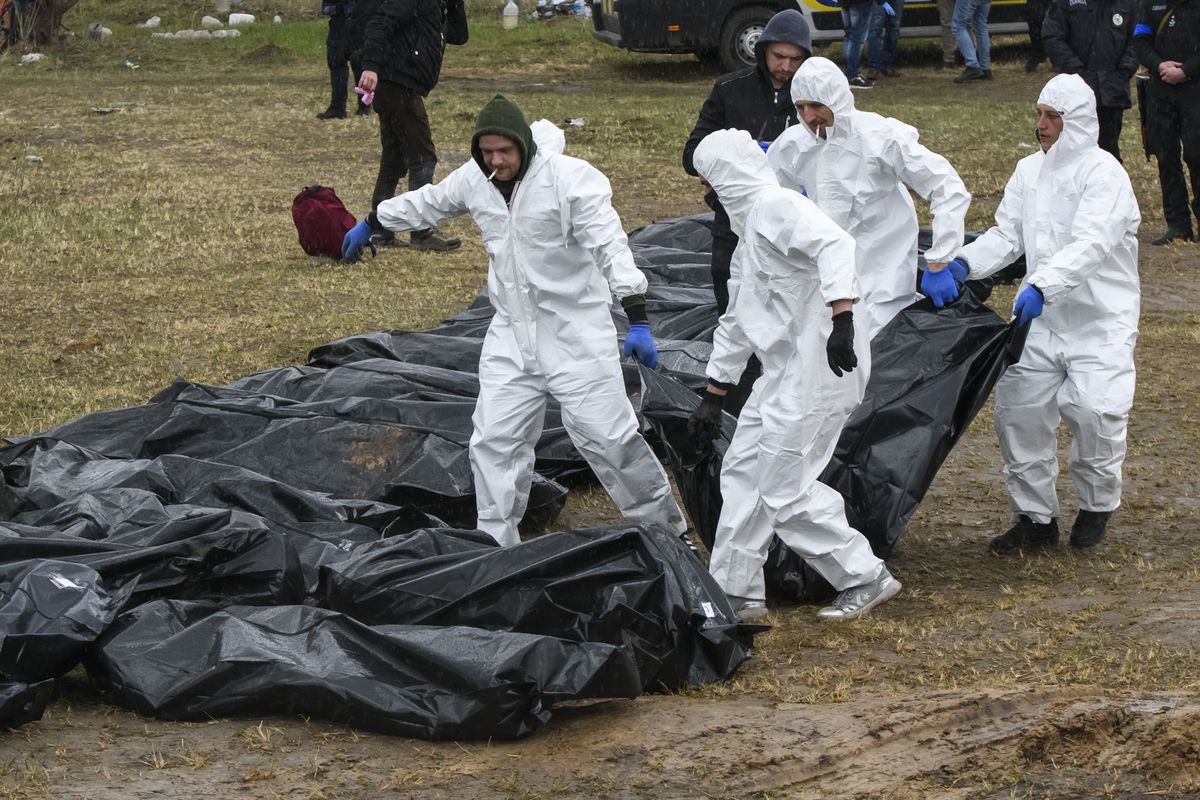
(739, 36)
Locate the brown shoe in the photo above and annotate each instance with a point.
(873, 74)
(434, 241)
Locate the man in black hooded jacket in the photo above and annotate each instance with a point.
(402, 42)
(756, 99)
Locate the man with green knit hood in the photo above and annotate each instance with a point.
(557, 255)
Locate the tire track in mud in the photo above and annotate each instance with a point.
(881, 748)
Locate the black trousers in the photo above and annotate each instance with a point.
(405, 140)
(336, 58)
(1172, 122)
(1110, 128)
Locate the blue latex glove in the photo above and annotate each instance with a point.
(764, 145)
(1029, 305)
(640, 344)
(887, 9)
(940, 287)
(959, 268)
(356, 239)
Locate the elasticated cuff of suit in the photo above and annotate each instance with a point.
(635, 308)
(724, 387)
(374, 223)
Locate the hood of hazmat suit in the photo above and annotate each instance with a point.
(857, 174)
(1072, 212)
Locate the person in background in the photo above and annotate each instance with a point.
(949, 45)
(402, 43)
(970, 22)
(337, 57)
(1094, 40)
(791, 297)
(1035, 13)
(1069, 208)
(1167, 40)
(883, 35)
(557, 255)
(856, 21)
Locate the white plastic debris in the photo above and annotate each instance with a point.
(211, 22)
(577, 122)
(153, 22)
(238, 18)
(162, 35)
(202, 34)
(221, 34)
(277, 19)
(131, 65)
(32, 58)
(34, 159)
(97, 31)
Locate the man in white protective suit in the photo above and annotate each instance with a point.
(1070, 209)
(791, 293)
(556, 255)
(855, 166)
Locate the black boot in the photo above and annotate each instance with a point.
(332, 113)
(1026, 535)
(1088, 529)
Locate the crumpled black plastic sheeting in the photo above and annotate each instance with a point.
(634, 586)
(186, 661)
(320, 447)
(23, 702)
(50, 611)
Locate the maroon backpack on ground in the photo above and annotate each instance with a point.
(321, 221)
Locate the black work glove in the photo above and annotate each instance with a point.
(705, 423)
(840, 347)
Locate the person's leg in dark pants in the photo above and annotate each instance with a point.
(338, 73)
(391, 106)
(422, 162)
(1110, 119)
(1165, 133)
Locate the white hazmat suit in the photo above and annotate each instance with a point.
(857, 174)
(1072, 212)
(791, 262)
(555, 258)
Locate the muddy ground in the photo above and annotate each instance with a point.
(1063, 675)
(864, 711)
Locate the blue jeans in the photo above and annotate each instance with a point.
(854, 22)
(883, 33)
(971, 16)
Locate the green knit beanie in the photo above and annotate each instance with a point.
(504, 117)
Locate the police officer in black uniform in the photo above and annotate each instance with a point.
(1094, 40)
(1167, 38)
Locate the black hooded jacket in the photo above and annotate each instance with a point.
(399, 40)
(745, 99)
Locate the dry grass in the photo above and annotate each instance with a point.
(155, 240)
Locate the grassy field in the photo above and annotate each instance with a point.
(153, 239)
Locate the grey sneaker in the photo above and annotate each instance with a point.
(852, 603)
(748, 609)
